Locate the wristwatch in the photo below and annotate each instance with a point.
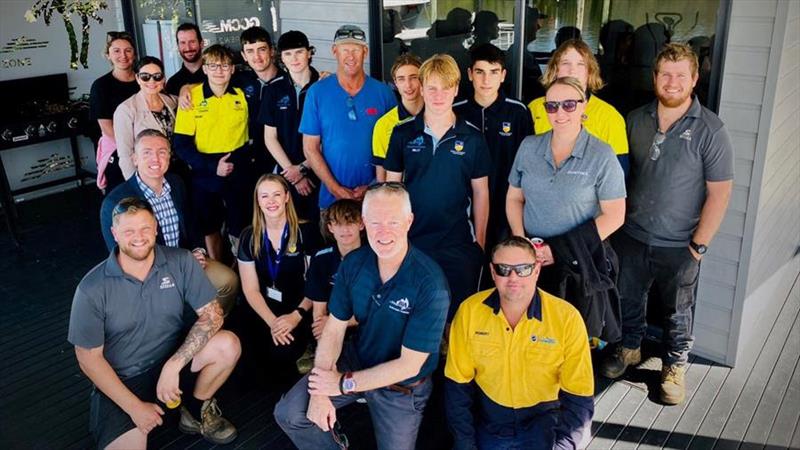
(699, 248)
(347, 384)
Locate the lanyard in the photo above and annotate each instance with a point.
(273, 264)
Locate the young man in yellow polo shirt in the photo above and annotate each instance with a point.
(212, 138)
(518, 359)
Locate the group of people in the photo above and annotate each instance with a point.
(503, 240)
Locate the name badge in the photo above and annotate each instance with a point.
(275, 294)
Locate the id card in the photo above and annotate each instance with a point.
(275, 294)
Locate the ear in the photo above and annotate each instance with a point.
(114, 233)
(695, 77)
(469, 73)
(503, 74)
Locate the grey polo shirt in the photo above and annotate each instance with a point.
(138, 323)
(666, 196)
(558, 199)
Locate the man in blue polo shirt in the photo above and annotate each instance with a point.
(340, 113)
(504, 122)
(399, 298)
(445, 164)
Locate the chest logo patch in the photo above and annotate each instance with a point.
(372, 111)
(402, 306)
(687, 135)
(543, 339)
(166, 283)
(416, 144)
(283, 103)
(506, 129)
(249, 91)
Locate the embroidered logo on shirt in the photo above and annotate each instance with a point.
(249, 91)
(416, 145)
(543, 340)
(166, 283)
(459, 146)
(402, 306)
(481, 333)
(578, 172)
(687, 135)
(283, 103)
(506, 129)
(372, 111)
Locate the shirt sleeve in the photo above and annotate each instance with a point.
(718, 157)
(100, 106)
(577, 385)
(198, 290)
(86, 319)
(459, 390)
(340, 304)
(184, 120)
(611, 179)
(245, 252)
(309, 122)
(515, 174)
(265, 114)
(123, 136)
(380, 139)
(425, 324)
(482, 164)
(316, 281)
(394, 154)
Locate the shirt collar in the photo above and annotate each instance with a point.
(208, 93)
(113, 269)
(534, 309)
(402, 112)
(149, 193)
(580, 144)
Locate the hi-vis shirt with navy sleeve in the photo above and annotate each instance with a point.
(538, 373)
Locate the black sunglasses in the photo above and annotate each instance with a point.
(144, 76)
(390, 185)
(522, 270)
(339, 437)
(567, 105)
(354, 34)
(655, 148)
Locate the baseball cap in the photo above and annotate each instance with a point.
(292, 40)
(350, 34)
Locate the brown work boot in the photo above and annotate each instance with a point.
(614, 366)
(213, 426)
(673, 387)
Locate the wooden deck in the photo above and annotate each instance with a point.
(43, 395)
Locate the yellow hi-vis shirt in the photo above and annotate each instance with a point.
(522, 367)
(218, 124)
(382, 132)
(602, 121)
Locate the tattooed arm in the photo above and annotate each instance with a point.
(209, 321)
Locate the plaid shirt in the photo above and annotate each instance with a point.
(166, 213)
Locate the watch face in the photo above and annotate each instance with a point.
(349, 385)
(701, 249)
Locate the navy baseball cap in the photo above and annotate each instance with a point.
(292, 40)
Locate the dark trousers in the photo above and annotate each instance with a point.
(462, 266)
(674, 271)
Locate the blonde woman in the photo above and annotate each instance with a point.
(567, 188)
(273, 252)
(575, 59)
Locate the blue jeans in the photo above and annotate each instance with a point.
(395, 416)
(674, 271)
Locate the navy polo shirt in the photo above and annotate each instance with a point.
(438, 178)
(408, 310)
(253, 88)
(321, 275)
(282, 107)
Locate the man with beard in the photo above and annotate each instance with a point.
(678, 190)
(519, 371)
(190, 47)
(399, 298)
(126, 323)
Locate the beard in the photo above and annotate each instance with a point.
(137, 253)
(673, 102)
(195, 58)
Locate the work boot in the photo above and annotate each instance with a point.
(673, 387)
(213, 427)
(614, 366)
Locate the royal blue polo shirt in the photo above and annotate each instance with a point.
(438, 178)
(321, 274)
(345, 131)
(282, 107)
(409, 310)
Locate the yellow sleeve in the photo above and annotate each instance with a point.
(184, 120)
(380, 136)
(460, 367)
(576, 375)
(541, 124)
(617, 134)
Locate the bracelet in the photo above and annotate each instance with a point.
(303, 312)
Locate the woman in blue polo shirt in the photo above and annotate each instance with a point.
(273, 255)
(567, 188)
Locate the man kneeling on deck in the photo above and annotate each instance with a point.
(127, 316)
(521, 357)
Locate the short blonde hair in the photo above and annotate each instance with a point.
(442, 66)
(675, 52)
(571, 82)
(217, 53)
(594, 82)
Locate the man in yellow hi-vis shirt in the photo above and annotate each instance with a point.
(212, 138)
(518, 359)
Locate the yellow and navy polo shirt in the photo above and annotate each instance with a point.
(218, 124)
(602, 121)
(524, 374)
(382, 132)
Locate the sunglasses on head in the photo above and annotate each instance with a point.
(567, 105)
(114, 35)
(350, 34)
(522, 270)
(144, 76)
(392, 185)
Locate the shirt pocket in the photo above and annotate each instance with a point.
(485, 353)
(543, 364)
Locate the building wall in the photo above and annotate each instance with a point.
(758, 237)
(319, 19)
